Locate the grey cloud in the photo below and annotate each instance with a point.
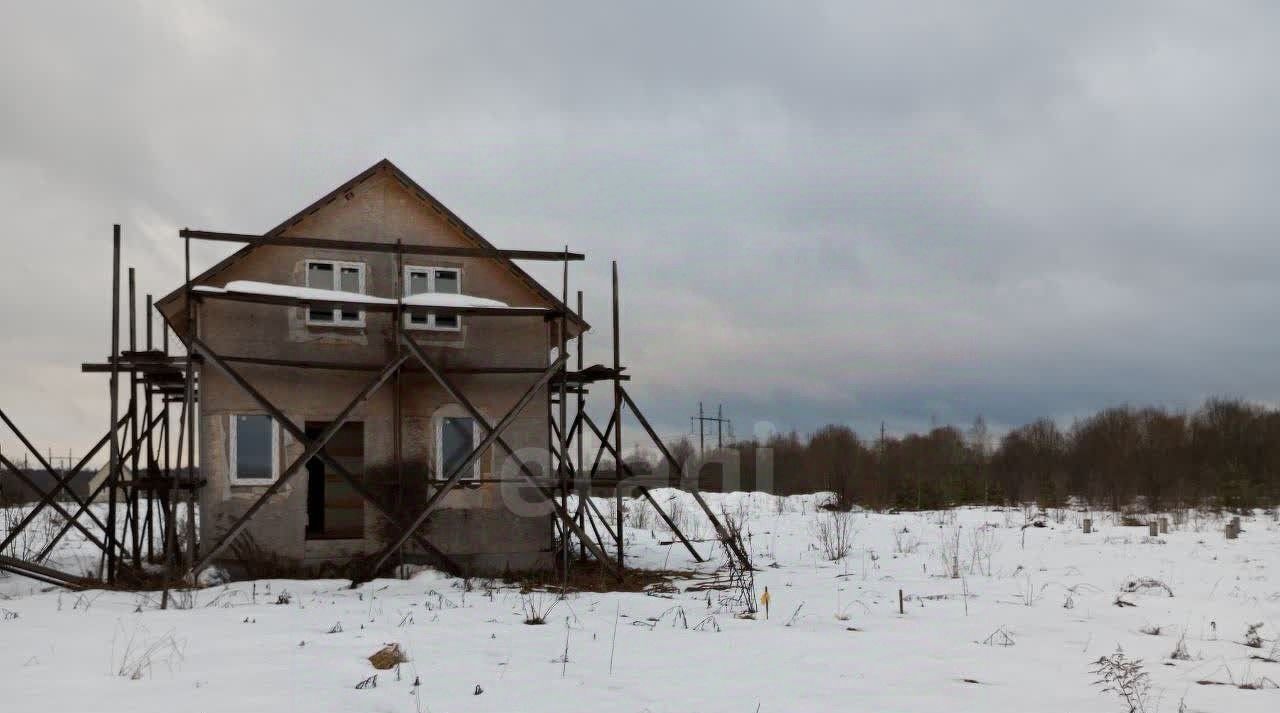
(823, 212)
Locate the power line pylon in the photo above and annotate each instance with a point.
(722, 424)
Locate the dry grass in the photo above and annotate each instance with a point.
(833, 532)
(589, 576)
(1142, 584)
(135, 652)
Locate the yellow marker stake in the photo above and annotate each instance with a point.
(764, 599)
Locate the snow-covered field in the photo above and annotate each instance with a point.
(833, 640)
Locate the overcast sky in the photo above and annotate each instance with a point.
(844, 212)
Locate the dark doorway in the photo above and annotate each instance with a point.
(334, 509)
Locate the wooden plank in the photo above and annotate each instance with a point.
(113, 464)
(595, 464)
(603, 520)
(368, 366)
(623, 467)
(22, 476)
(617, 412)
(679, 468)
(62, 483)
(287, 301)
(127, 366)
(160, 483)
(369, 246)
(44, 574)
(48, 469)
(84, 508)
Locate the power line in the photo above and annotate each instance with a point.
(722, 425)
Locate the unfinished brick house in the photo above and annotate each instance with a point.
(370, 382)
(377, 288)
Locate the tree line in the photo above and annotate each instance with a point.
(1224, 454)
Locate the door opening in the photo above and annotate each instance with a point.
(334, 509)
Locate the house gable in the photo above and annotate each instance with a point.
(382, 204)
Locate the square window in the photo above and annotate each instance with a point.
(426, 280)
(419, 282)
(447, 281)
(332, 275)
(350, 279)
(320, 275)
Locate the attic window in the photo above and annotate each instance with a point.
(423, 280)
(333, 275)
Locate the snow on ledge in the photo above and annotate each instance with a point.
(445, 299)
(249, 287)
(430, 299)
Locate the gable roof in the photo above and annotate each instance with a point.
(385, 165)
